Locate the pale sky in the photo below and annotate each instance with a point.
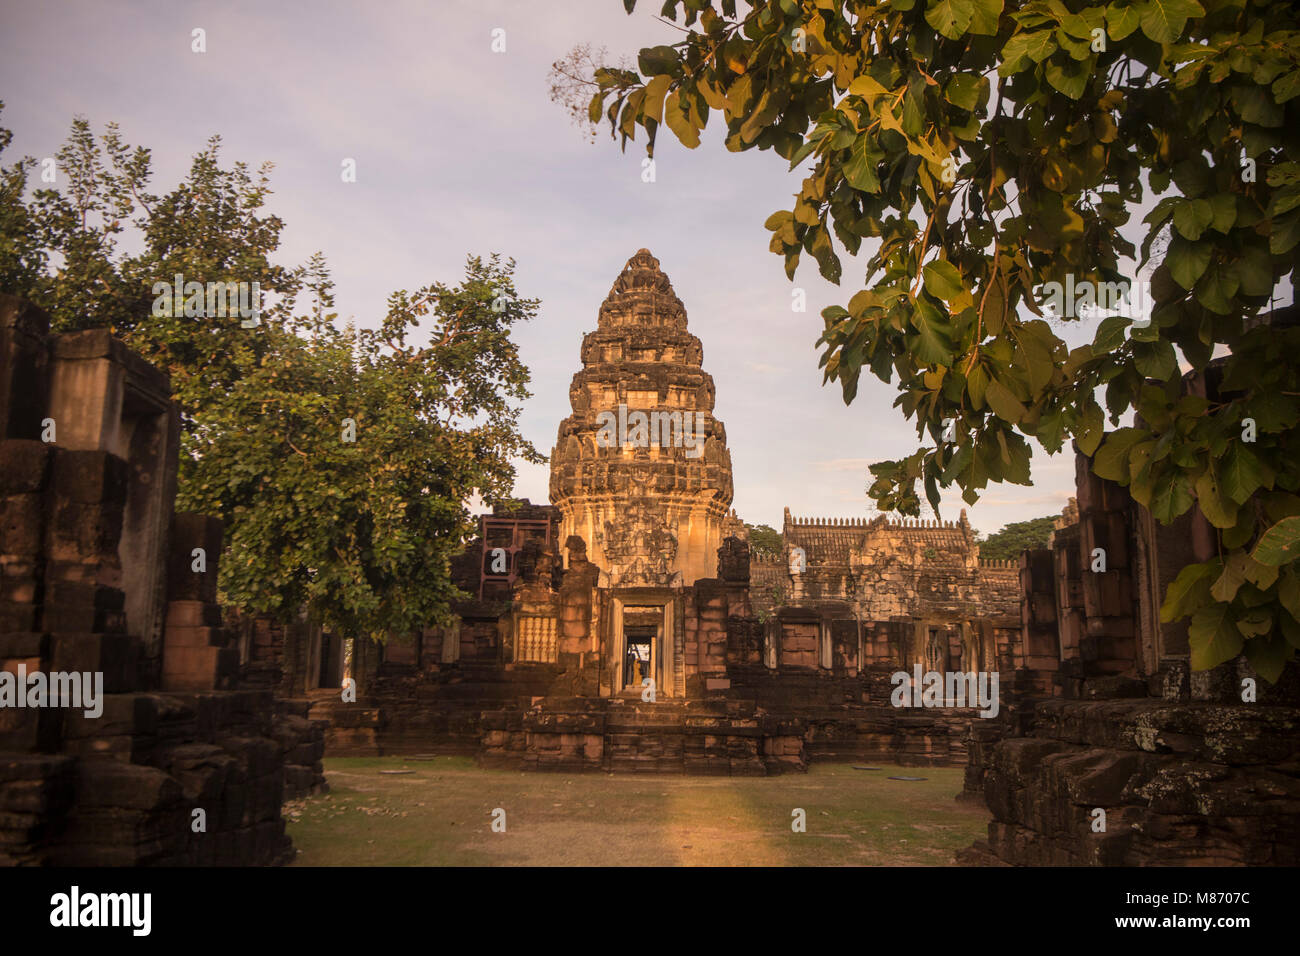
(459, 151)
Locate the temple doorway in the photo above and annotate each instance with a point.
(639, 657)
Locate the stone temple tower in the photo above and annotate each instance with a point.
(641, 470)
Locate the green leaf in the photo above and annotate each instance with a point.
(984, 19)
(1254, 105)
(1269, 655)
(1111, 462)
(1286, 86)
(1260, 575)
(1110, 334)
(1290, 630)
(1004, 404)
(1091, 430)
(977, 383)
(1288, 592)
(933, 344)
(1231, 580)
(1187, 592)
(860, 170)
(1242, 473)
(1217, 507)
(1280, 544)
(1223, 208)
(866, 85)
(655, 90)
(950, 17)
(963, 90)
(1213, 637)
(1070, 76)
(1254, 623)
(1036, 46)
(1192, 217)
(1036, 343)
(657, 59)
(1163, 20)
(1121, 21)
(1170, 497)
(1192, 177)
(1155, 360)
(677, 121)
(942, 280)
(1188, 260)
(1255, 270)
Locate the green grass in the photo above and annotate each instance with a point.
(441, 814)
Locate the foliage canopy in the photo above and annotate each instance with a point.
(1006, 545)
(360, 532)
(975, 150)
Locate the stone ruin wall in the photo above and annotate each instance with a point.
(859, 604)
(525, 711)
(96, 575)
(1109, 714)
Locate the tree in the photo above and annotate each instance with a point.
(982, 149)
(1015, 537)
(765, 538)
(341, 460)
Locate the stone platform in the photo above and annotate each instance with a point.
(622, 734)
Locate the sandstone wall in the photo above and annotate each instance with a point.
(1108, 726)
(97, 575)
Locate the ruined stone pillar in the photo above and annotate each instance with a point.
(197, 651)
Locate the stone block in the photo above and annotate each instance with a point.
(84, 533)
(74, 606)
(16, 616)
(27, 730)
(24, 368)
(193, 614)
(178, 637)
(107, 783)
(90, 477)
(22, 521)
(19, 583)
(19, 644)
(117, 656)
(190, 531)
(127, 715)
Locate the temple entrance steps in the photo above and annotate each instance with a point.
(352, 725)
(626, 734)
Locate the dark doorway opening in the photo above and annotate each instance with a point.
(638, 658)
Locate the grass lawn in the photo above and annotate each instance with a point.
(440, 813)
